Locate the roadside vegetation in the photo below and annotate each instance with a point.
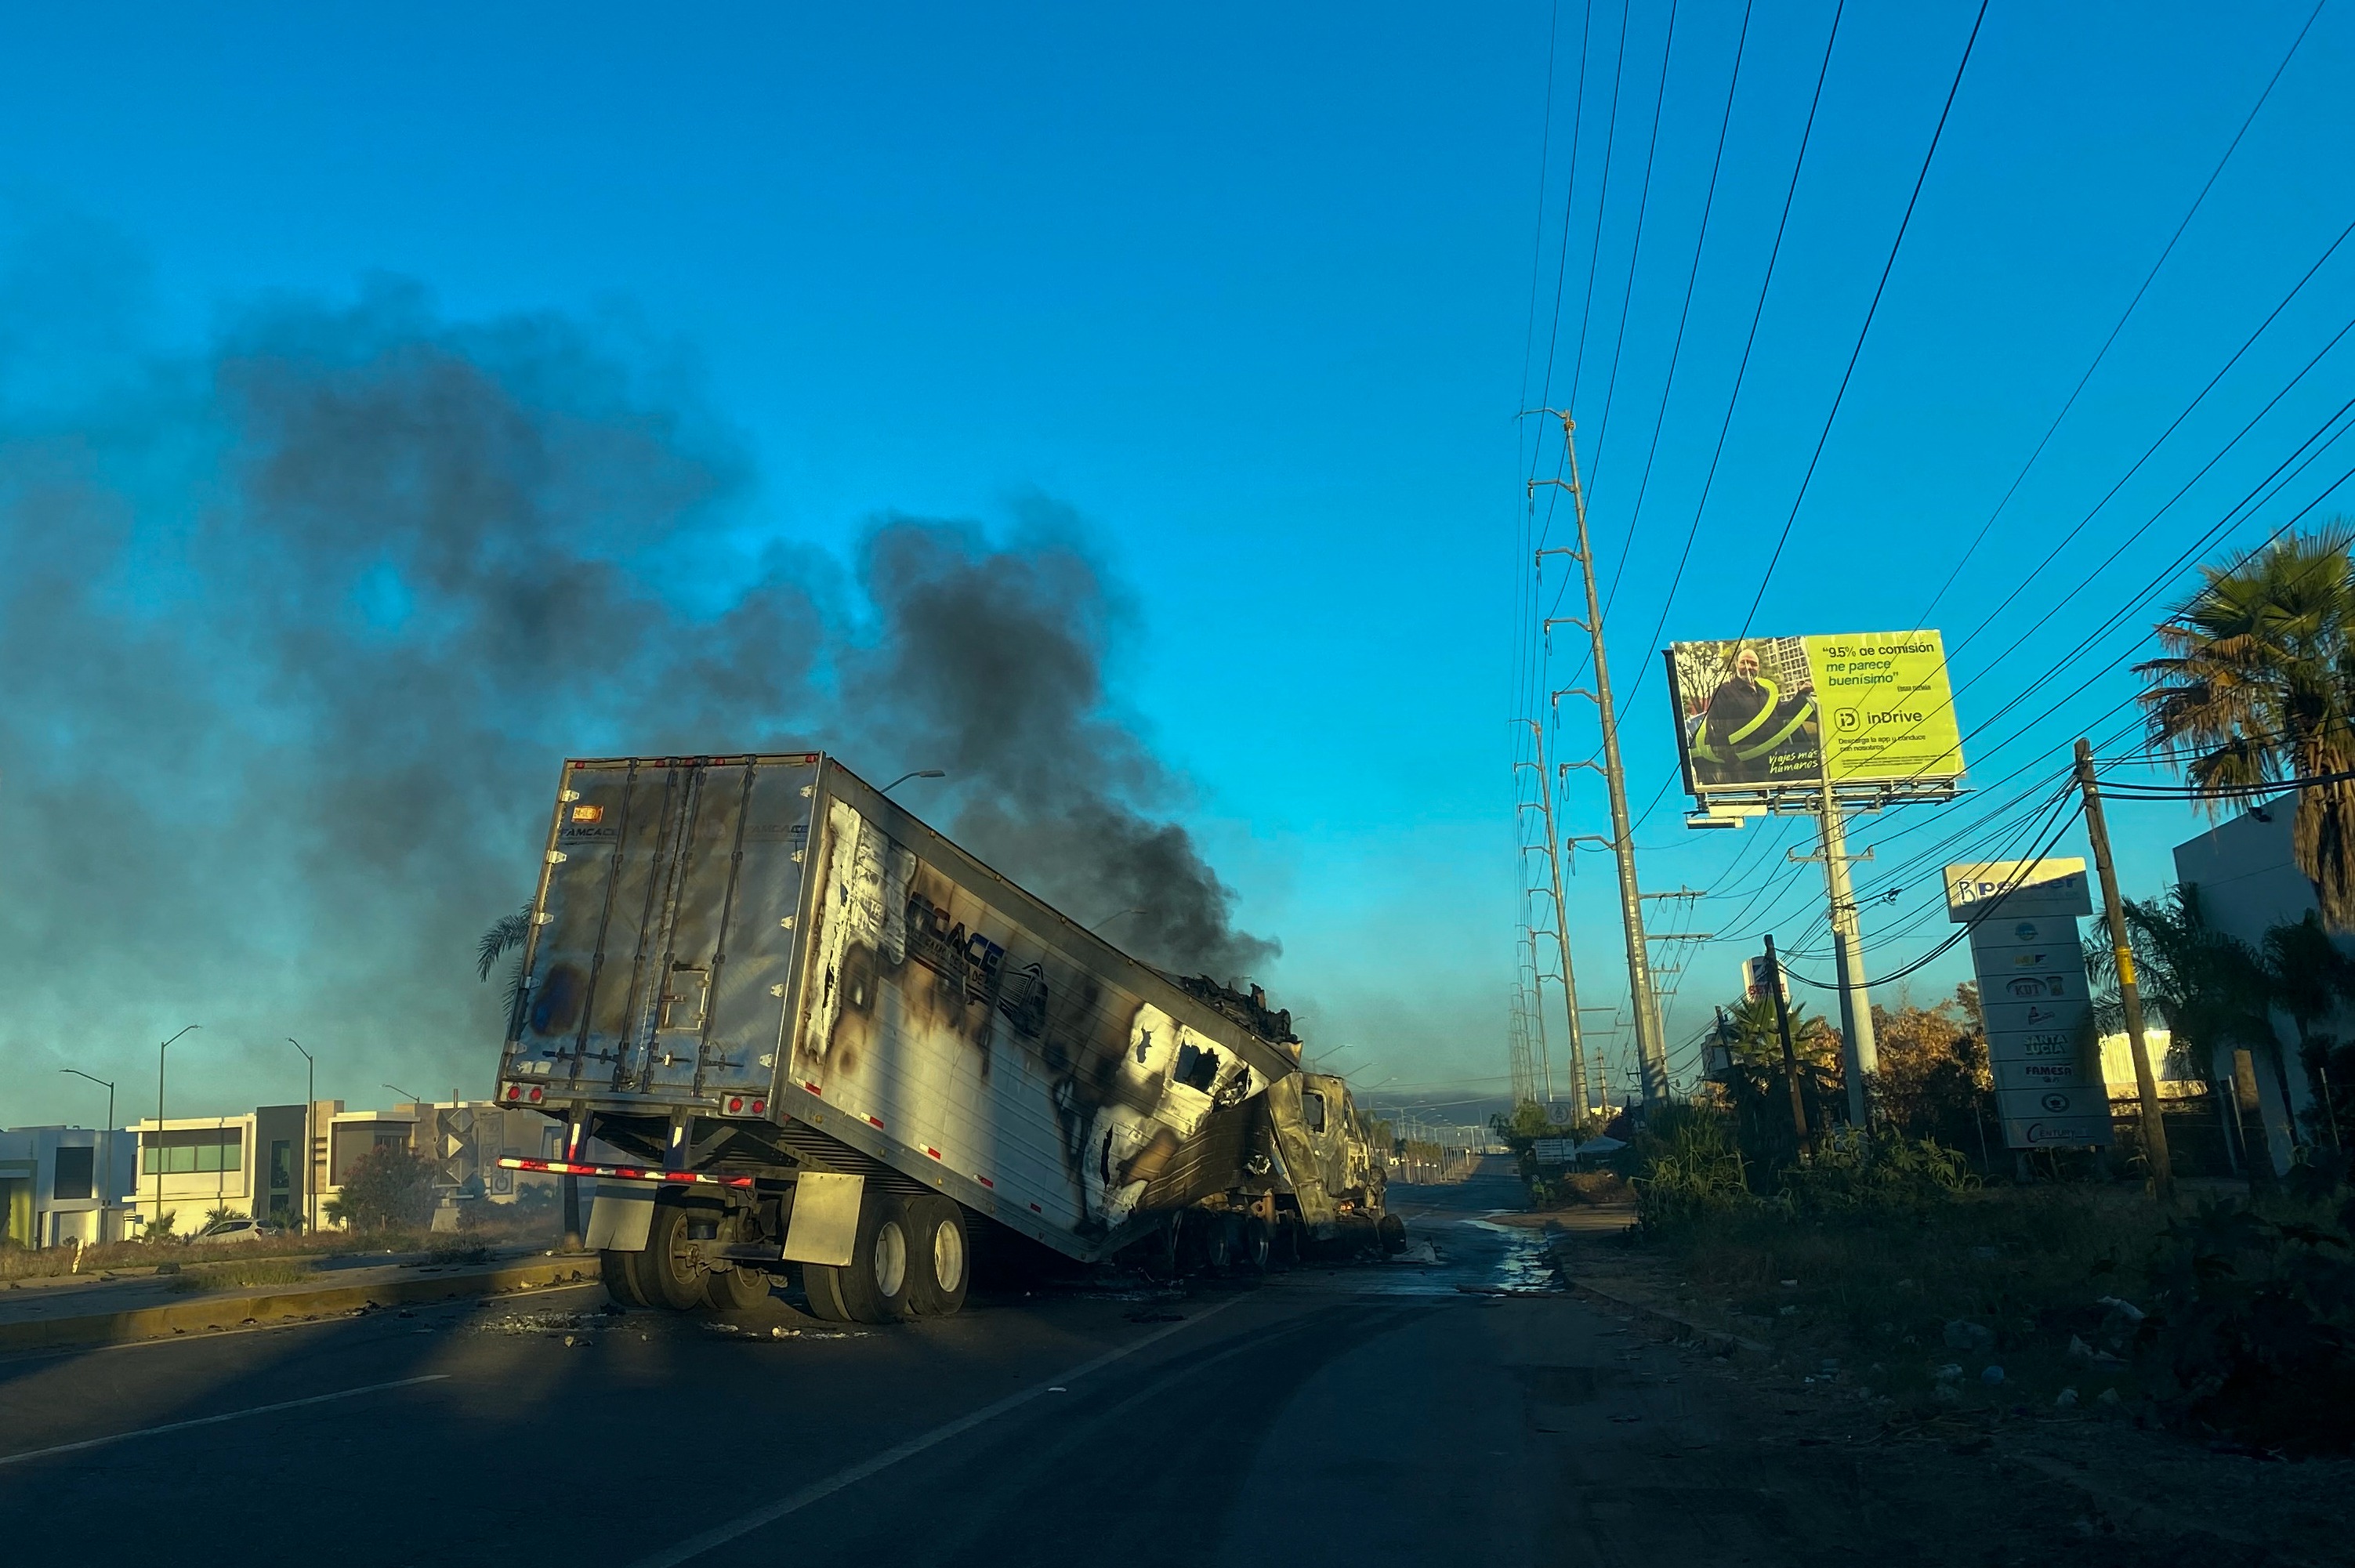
(486, 1227)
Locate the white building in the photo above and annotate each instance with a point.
(2248, 883)
(255, 1164)
(62, 1186)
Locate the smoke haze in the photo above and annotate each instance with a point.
(295, 635)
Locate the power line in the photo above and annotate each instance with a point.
(1741, 370)
(1872, 310)
(2167, 250)
(1684, 315)
(1635, 254)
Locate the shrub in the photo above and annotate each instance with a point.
(1686, 1165)
(388, 1186)
(2254, 1331)
(1852, 1171)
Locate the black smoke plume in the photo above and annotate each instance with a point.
(295, 633)
(993, 662)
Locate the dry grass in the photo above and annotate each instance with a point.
(499, 1231)
(2016, 1273)
(242, 1273)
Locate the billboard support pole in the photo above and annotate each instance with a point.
(1859, 1053)
(1646, 1005)
(1544, 804)
(2154, 1128)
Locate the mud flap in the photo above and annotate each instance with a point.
(619, 1217)
(825, 1228)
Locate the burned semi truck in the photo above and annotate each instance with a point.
(831, 1043)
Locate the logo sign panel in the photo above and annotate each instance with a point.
(2017, 892)
(2035, 997)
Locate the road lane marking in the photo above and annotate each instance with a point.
(31, 1454)
(719, 1535)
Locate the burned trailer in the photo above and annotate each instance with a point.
(837, 1043)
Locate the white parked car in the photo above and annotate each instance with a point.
(234, 1228)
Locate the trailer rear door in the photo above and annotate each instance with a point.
(664, 940)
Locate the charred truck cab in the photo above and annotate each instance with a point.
(827, 1040)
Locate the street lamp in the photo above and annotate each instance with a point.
(159, 1121)
(310, 1147)
(402, 1093)
(106, 1173)
(1109, 918)
(919, 774)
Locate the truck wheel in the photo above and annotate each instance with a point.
(1256, 1247)
(872, 1287)
(824, 1300)
(668, 1271)
(736, 1289)
(1219, 1243)
(1392, 1231)
(1284, 1249)
(940, 1262)
(620, 1279)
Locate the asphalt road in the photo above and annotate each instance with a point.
(1370, 1415)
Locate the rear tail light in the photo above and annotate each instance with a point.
(515, 1091)
(760, 1106)
(535, 1092)
(735, 1102)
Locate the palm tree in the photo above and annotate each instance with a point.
(506, 932)
(2309, 976)
(2207, 986)
(2258, 682)
(1757, 1085)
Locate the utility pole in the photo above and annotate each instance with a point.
(2154, 1128)
(1517, 1047)
(1860, 1056)
(1790, 1056)
(1649, 1052)
(1542, 1070)
(1544, 804)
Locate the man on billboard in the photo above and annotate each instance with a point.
(1747, 719)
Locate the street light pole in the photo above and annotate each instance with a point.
(310, 1155)
(904, 778)
(106, 1174)
(158, 1145)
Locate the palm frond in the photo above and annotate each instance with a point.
(507, 931)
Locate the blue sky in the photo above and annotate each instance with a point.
(1254, 295)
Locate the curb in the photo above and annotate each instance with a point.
(284, 1304)
(1558, 1247)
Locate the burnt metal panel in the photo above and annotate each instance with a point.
(659, 956)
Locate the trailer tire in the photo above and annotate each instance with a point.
(1392, 1231)
(620, 1279)
(940, 1257)
(872, 1287)
(1284, 1244)
(1257, 1248)
(668, 1273)
(824, 1300)
(736, 1289)
(1219, 1243)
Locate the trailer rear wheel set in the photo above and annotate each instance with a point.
(911, 1258)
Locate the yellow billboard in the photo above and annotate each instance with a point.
(1762, 714)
